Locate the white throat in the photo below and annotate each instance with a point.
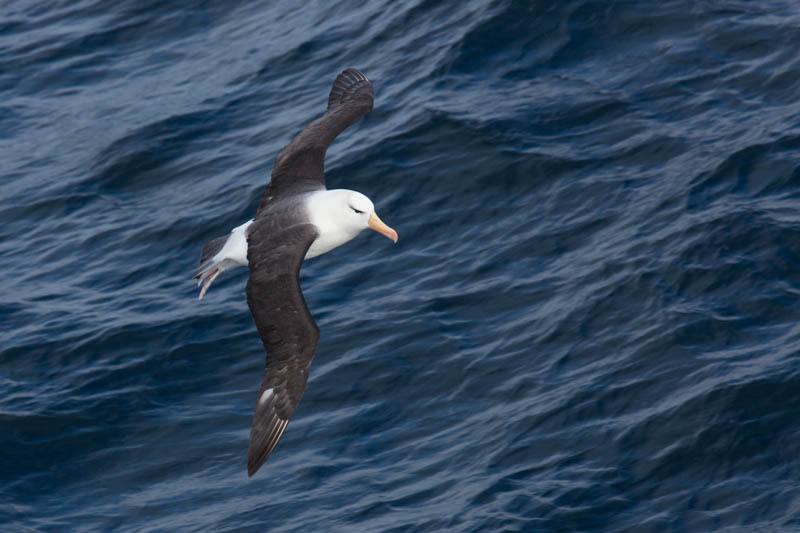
(325, 210)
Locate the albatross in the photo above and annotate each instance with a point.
(298, 218)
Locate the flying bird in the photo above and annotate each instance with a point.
(297, 219)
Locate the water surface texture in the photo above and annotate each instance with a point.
(590, 321)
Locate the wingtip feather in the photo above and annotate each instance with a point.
(261, 448)
(350, 84)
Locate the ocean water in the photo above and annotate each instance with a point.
(590, 322)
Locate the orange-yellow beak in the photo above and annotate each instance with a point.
(378, 225)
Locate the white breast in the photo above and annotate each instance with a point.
(327, 241)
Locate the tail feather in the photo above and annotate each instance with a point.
(211, 249)
(211, 264)
(221, 254)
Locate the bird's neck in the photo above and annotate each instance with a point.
(325, 212)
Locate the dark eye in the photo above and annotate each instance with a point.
(357, 211)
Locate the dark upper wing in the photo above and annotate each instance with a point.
(286, 327)
(304, 157)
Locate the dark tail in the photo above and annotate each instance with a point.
(211, 249)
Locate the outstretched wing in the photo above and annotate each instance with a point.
(286, 327)
(304, 157)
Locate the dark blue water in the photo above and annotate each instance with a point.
(590, 321)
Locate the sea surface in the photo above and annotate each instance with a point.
(590, 321)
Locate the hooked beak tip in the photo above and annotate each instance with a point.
(377, 224)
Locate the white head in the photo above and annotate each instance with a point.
(354, 209)
(340, 215)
